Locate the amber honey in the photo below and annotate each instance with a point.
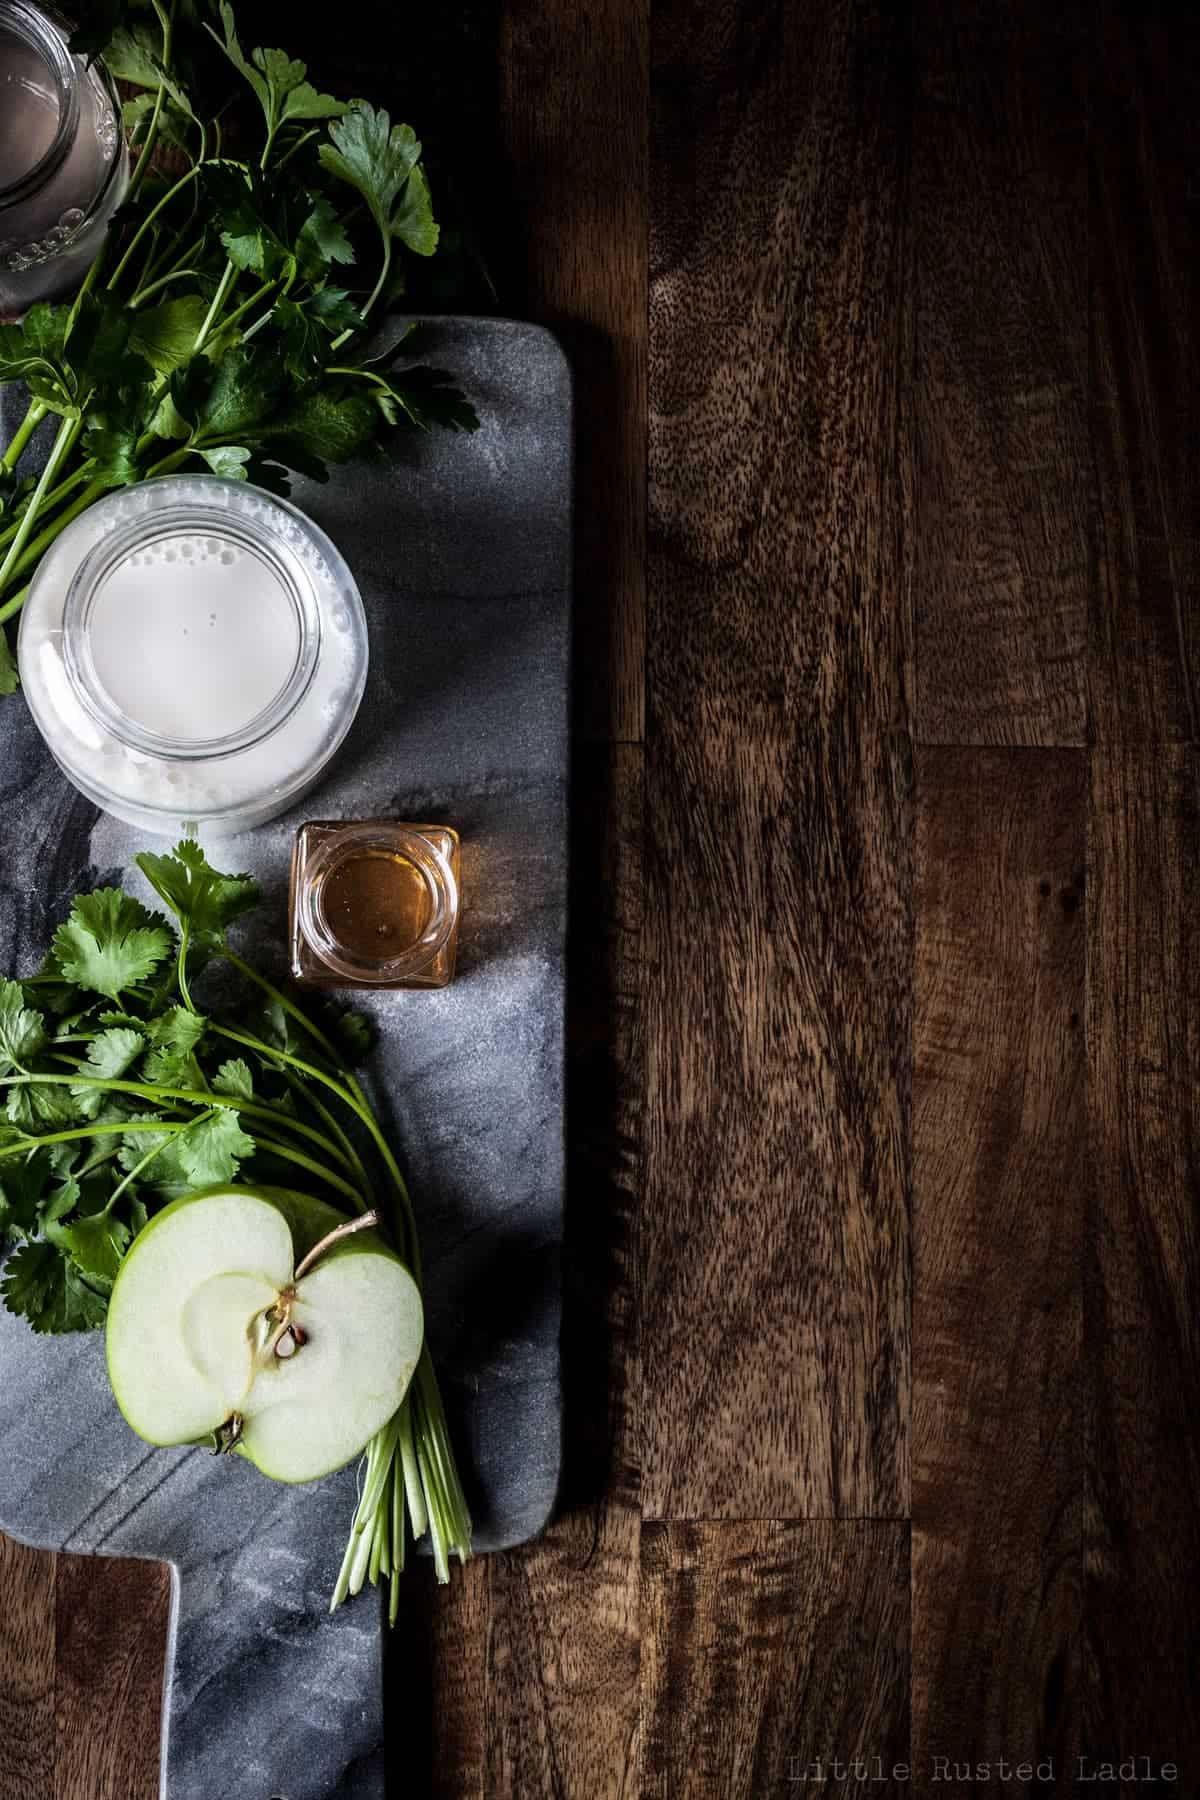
(374, 903)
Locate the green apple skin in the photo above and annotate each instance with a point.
(182, 1357)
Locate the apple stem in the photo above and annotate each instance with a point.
(339, 1231)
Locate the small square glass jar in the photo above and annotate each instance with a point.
(374, 904)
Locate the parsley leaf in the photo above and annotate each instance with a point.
(109, 1057)
(205, 902)
(380, 161)
(47, 1289)
(166, 335)
(277, 79)
(110, 942)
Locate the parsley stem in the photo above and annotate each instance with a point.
(62, 444)
(166, 20)
(218, 300)
(148, 221)
(43, 541)
(35, 412)
(53, 499)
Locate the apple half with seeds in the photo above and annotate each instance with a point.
(267, 1318)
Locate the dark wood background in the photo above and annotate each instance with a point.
(882, 1337)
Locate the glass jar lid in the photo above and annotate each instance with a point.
(191, 633)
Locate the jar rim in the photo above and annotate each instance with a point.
(353, 841)
(195, 519)
(43, 31)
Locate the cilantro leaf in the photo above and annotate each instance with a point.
(109, 1057)
(174, 1037)
(41, 1103)
(166, 335)
(234, 1077)
(22, 1031)
(353, 1032)
(110, 942)
(95, 1245)
(22, 1184)
(46, 1288)
(204, 901)
(379, 159)
(207, 1153)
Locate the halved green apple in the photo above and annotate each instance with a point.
(222, 1321)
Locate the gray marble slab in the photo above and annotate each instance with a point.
(461, 547)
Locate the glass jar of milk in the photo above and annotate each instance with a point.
(193, 651)
(63, 161)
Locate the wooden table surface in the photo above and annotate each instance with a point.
(882, 1340)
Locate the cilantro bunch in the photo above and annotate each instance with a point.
(227, 324)
(120, 1094)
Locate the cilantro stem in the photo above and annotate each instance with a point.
(99, 1129)
(35, 412)
(62, 444)
(155, 1150)
(332, 1126)
(145, 1090)
(292, 1155)
(356, 1101)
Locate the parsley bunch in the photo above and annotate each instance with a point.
(121, 1094)
(226, 324)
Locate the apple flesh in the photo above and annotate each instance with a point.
(200, 1299)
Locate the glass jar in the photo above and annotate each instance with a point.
(63, 161)
(374, 904)
(193, 650)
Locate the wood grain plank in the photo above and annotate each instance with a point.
(770, 1648)
(1142, 1323)
(27, 1584)
(435, 1684)
(110, 1630)
(573, 126)
(775, 1249)
(1145, 388)
(998, 1198)
(1000, 211)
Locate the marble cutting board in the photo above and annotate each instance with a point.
(461, 548)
